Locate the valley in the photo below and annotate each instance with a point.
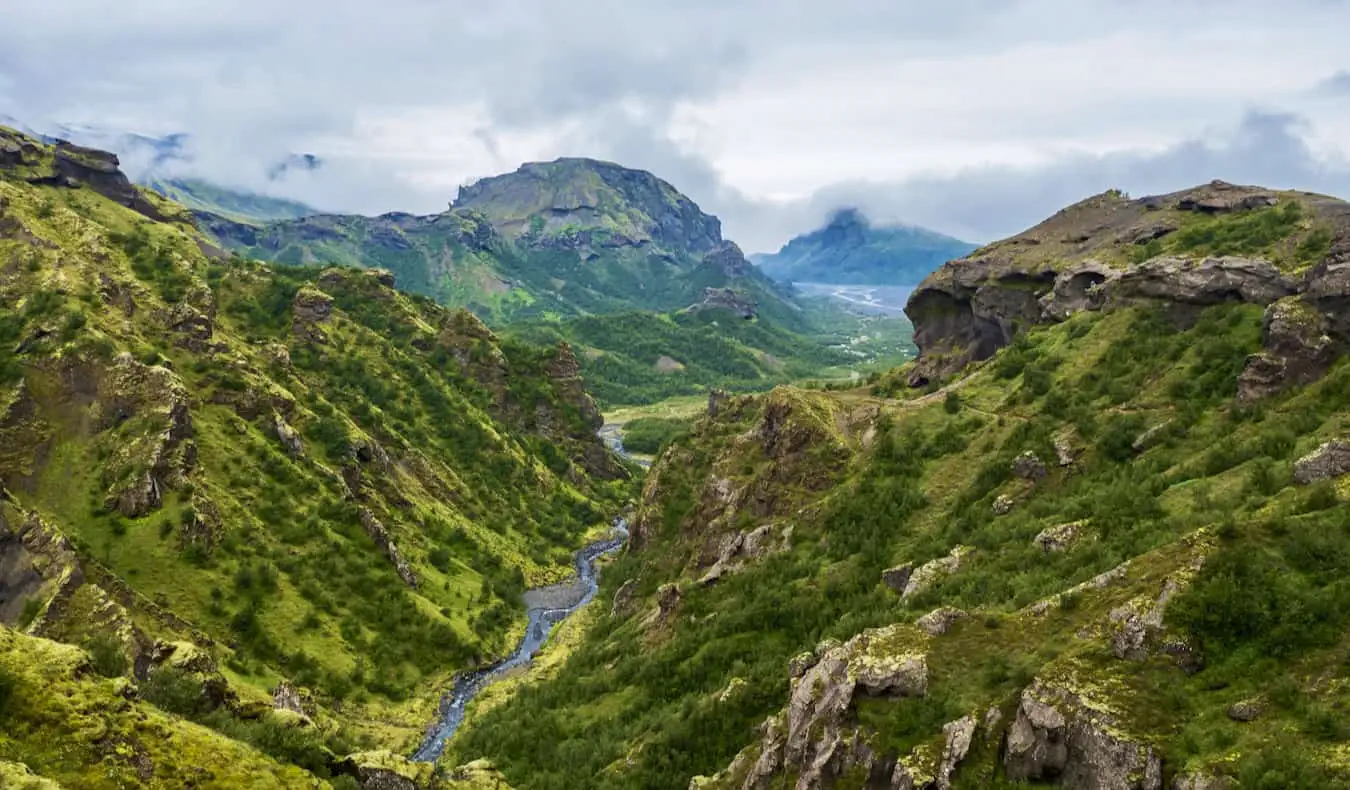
(557, 489)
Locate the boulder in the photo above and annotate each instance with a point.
(1247, 710)
(933, 571)
(1059, 736)
(957, 737)
(287, 697)
(622, 605)
(309, 308)
(1221, 197)
(1058, 538)
(1029, 466)
(289, 437)
(1329, 461)
(1195, 781)
(940, 620)
(1003, 505)
(668, 600)
(1297, 351)
(1151, 437)
(1067, 450)
(898, 577)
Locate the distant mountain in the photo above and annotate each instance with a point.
(570, 237)
(236, 205)
(849, 250)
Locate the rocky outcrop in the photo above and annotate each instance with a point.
(1003, 505)
(310, 308)
(1029, 467)
(1061, 736)
(1247, 710)
(288, 436)
(380, 534)
(383, 770)
(1082, 287)
(814, 736)
(155, 456)
(727, 299)
(739, 548)
(1058, 538)
(622, 605)
(930, 573)
(76, 166)
(288, 698)
(1328, 461)
(1204, 282)
(668, 600)
(897, 578)
(1298, 350)
(1152, 437)
(940, 620)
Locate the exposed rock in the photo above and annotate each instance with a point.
(1330, 460)
(800, 663)
(1246, 710)
(1029, 467)
(1205, 282)
(1151, 437)
(158, 457)
(385, 543)
(931, 572)
(195, 326)
(897, 578)
(1298, 351)
(1058, 538)
(1003, 505)
(1139, 622)
(727, 299)
(1327, 289)
(198, 665)
(309, 308)
(290, 438)
(940, 620)
(623, 599)
(739, 548)
(958, 736)
(76, 165)
(383, 277)
(287, 697)
(668, 599)
(1081, 287)
(1220, 197)
(1060, 736)
(383, 770)
(1201, 782)
(1066, 450)
(716, 398)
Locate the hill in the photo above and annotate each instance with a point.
(849, 250)
(1103, 544)
(284, 503)
(564, 238)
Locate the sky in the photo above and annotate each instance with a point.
(975, 118)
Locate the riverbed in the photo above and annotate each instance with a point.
(546, 607)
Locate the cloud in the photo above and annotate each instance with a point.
(1337, 84)
(972, 116)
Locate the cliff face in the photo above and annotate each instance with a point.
(1211, 244)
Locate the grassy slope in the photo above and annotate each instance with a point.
(644, 707)
(246, 207)
(478, 491)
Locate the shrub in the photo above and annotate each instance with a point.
(174, 691)
(9, 683)
(109, 657)
(952, 404)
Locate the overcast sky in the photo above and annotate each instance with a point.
(972, 117)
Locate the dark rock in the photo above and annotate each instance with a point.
(1058, 736)
(1297, 351)
(1247, 710)
(716, 398)
(1329, 461)
(309, 308)
(1151, 232)
(99, 171)
(1029, 466)
(727, 299)
(1219, 197)
(896, 578)
(1082, 287)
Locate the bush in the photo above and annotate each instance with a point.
(9, 683)
(109, 656)
(952, 404)
(174, 691)
(649, 435)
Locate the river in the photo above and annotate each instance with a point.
(546, 607)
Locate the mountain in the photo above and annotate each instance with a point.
(235, 205)
(284, 503)
(849, 250)
(563, 238)
(1096, 537)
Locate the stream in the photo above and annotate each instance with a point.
(546, 607)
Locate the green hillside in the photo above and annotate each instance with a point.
(1110, 553)
(223, 480)
(247, 207)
